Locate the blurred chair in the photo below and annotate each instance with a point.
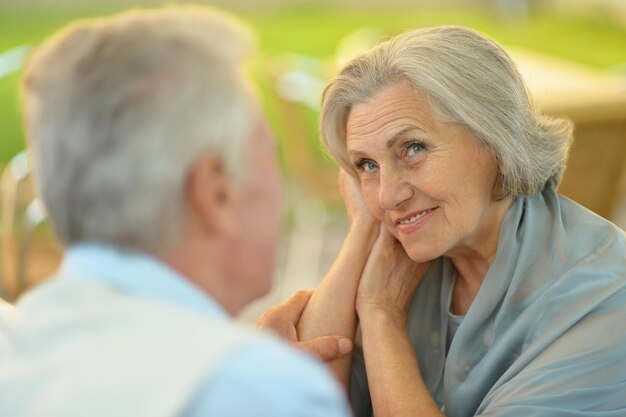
(294, 85)
(23, 218)
(312, 232)
(315, 222)
(595, 101)
(33, 218)
(15, 192)
(21, 215)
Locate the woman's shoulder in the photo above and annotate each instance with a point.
(576, 235)
(563, 254)
(592, 237)
(587, 257)
(576, 213)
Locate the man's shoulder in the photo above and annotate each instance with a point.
(81, 329)
(80, 313)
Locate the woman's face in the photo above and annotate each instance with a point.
(428, 181)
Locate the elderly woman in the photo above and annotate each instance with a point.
(478, 290)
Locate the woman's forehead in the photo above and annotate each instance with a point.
(390, 111)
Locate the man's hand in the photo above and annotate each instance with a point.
(283, 319)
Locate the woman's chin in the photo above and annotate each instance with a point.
(421, 254)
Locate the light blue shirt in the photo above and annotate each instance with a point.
(265, 378)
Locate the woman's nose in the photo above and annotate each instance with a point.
(394, 189)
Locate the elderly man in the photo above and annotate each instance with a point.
(159, 175)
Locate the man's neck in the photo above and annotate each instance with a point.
(200, 264)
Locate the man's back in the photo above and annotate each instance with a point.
(83, 344)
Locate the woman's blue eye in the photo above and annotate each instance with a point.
(415, 148)
(366, 166)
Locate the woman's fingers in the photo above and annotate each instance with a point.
(356, 208)
(383, 252)
(347, 184)
(389, 278)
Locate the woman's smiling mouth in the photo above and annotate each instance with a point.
(415, 220)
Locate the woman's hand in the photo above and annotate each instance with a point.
(389, 280)
(385, 291)
(356, 209)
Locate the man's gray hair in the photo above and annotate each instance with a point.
(469, 80)
(119, 108)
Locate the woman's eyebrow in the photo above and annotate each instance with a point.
(356, 152)
(401, 133)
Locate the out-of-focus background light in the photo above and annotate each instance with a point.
(572, 52)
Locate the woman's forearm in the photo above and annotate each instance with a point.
(396, 388)
(331, 310)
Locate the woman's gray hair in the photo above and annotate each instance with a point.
(469, 80)
(118, 109)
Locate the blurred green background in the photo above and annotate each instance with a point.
(589, 36)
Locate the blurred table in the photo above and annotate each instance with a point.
(595, 101)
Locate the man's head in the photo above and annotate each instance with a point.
(143, 133)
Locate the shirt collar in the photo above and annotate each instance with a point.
(136, 273)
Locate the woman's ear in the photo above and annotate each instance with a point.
(210, 195)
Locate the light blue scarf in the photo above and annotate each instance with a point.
(546, 334)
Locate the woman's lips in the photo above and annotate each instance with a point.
(415, 220)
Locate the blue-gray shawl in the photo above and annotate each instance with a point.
(546, 334)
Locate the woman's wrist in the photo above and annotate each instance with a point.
(377, 316)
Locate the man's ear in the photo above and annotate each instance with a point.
(210, 195)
